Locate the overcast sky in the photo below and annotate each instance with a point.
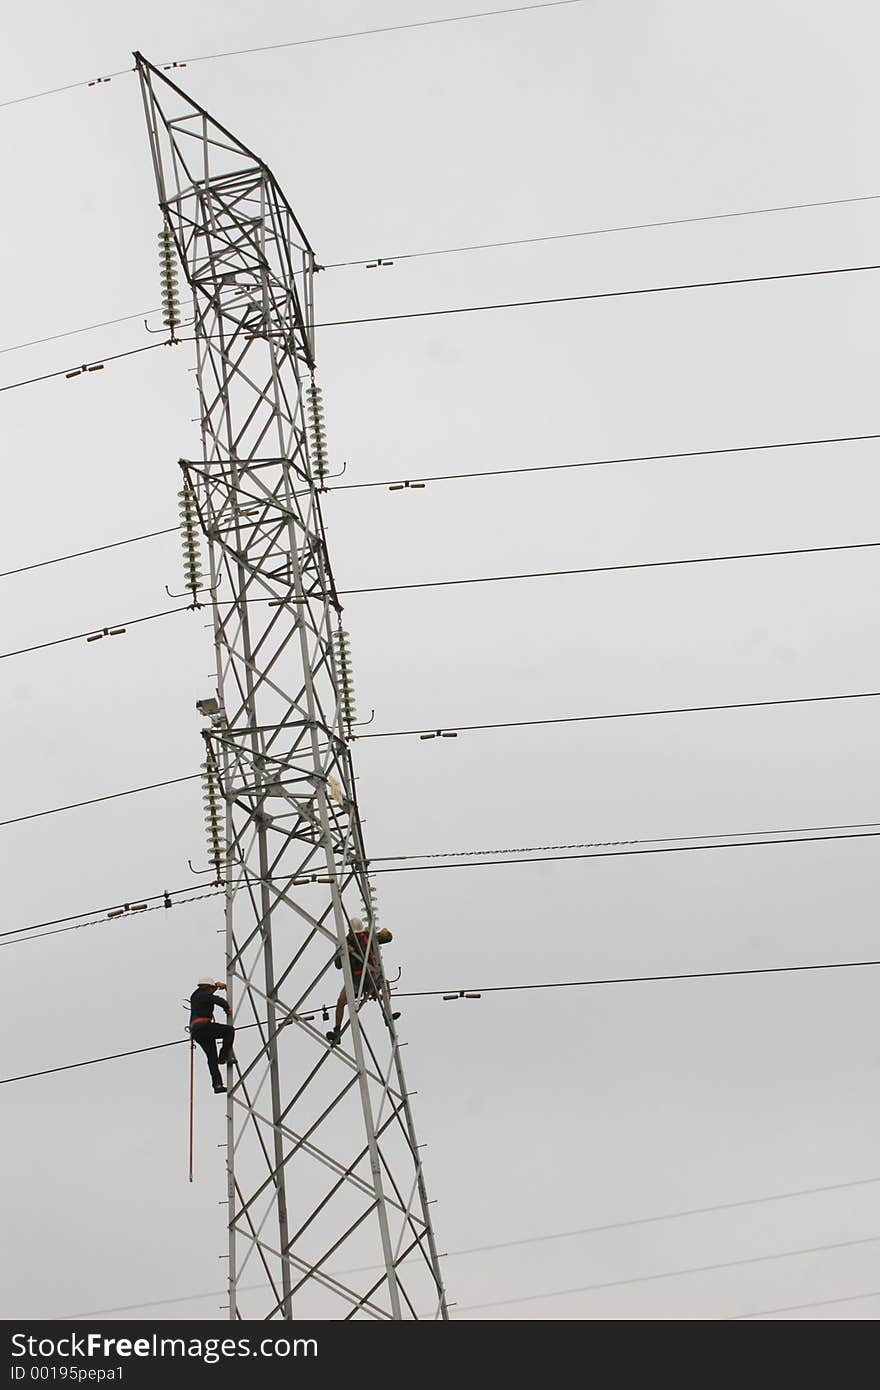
(544, 1113)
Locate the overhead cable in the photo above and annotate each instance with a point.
(602, 295)
(507, 304)
(611, 844)
(476, 580)
(74, 332)
(93, 1061)
(611, 569)
(619, 714)
(126, 915)
(627, 853)
(395, 256)
(486, 246)
(382, 29)
(606, 462)
(500, 473)
(93, 801)
(95, 364)
(797, 1307)
(668, 1216)
(92, 550)
(531, 1240)
(298, 43)
(99, 915)
(512, 724)
(489, 246)
(636, 979)
(673, 1273)
(90, 633)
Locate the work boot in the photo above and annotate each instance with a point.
(333, 1036)
(226, 1061)
(219, 1090)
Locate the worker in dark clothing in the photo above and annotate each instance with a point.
(366, 970)
(204, 1031)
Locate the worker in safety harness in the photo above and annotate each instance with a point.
(366, 970)
(204, 1031)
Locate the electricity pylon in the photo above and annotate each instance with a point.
(328, 1214)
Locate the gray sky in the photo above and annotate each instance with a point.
(543, 1113)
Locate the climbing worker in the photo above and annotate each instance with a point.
(366, 967)
(204, 1031)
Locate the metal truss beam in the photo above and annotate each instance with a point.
(326, 1193)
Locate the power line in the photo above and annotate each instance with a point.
(132, 907)
(597, 231)
(217, 1293)
(99, 915)
(668, 1216)
(792, 1307)
(512, 724)
(619, 714)
(123, 916)
(612, 569)
(500, 473)
(508, 304)
(74, 332)
(539, 859)
(609, 844)
(296, 43)
(600, 295)
(93, 550)
(452, 583)
(93, 632)
(69, 87)
(383, 29)
(634, 979)
(606, 462)
(534, 1240)
(627, 853)
(639, 979)
(94, 365)
(491, 246)
(93, 801)
(799, 836)
(673, 1273)
(93, 1061)
(160, 1302)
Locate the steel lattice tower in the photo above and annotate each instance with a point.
(328, 1214)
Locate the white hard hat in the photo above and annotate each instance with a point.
(355, 923)
(207, 980)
